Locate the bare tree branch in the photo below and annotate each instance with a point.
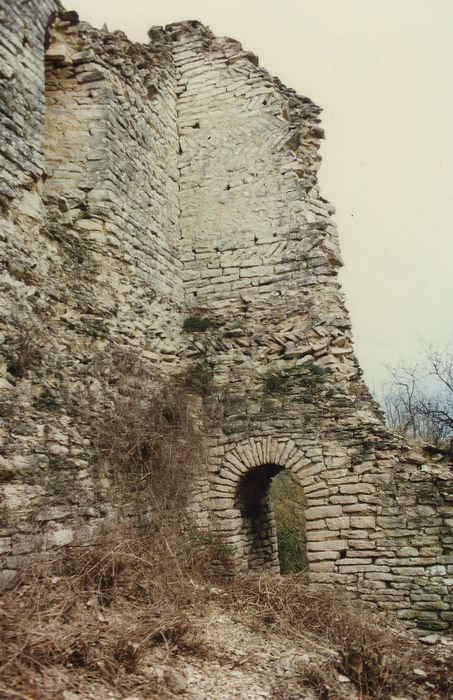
(418, 400)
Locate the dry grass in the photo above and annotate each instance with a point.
(95, 614)
(149, 442)
(99, 610)
(379, 658)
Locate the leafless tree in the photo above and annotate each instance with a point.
(418, 400)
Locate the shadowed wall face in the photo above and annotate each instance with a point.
(258, 528)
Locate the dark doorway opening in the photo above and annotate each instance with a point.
(271, 503)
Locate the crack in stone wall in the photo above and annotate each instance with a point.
(143, 186)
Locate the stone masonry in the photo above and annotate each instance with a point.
(161, 201)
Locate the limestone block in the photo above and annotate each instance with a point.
(319, 512)
(316, 525)
(357, 488)
(7, 577)
(321, 566)
(338, 523)
(344, 500)
(324, 555)
(59, 538)
(360, 568)
(334, 545)
(324, 534)
(363, 522)
(5, 545)
(53, 513)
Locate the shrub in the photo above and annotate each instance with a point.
(197, 324)
(274, 383)
(309, 378)
(198, 379)
(148, 443)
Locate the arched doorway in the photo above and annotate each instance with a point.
(271, 505)
(241, 495)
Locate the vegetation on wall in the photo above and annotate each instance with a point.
(25, 349)
(198, 379)
(148, 442)
(106, 612)
(198, 324)
(288, 501)
(306, 380)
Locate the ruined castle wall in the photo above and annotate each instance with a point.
(91, 280)
(22, 38)
(179, 180)
(260, 259)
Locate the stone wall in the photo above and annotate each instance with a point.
(91, 275)
(175, 188)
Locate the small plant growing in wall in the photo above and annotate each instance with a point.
(197, 324)
(198, 378)
(46, 400)
(275, 382)
(310, 377)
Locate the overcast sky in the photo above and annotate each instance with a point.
(382, 70)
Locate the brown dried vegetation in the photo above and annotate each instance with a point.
(96, 614)
(98, 611)
(356, 641)
(150, 444)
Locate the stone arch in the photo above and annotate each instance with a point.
(240, 506)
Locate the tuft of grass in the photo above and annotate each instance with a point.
(307, 379)
(275, 383)
(198, 324)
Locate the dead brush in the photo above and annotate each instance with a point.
(99, 611)
(379, 660)
(150, 444)
(25, 349)
(101, 608)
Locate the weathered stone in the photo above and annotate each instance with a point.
(323, 512)
(145, 185)
(362, 522)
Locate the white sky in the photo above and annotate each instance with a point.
(383, 72)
